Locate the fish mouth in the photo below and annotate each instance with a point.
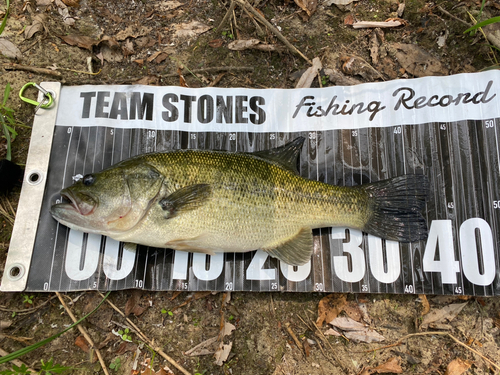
(82, 203)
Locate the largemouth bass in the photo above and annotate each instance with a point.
(216, 201)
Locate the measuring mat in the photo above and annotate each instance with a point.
(447, 128)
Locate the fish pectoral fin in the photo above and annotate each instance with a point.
(185, 199)
(296, 251)
(194, 245)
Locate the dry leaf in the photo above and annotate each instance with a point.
(457, 367)
(354, 65)
(352, 310)
(425, 304)
(416, 61)
(126, 347)
(189, 30)
(241, 45)
(308, 6)
(71, 3)
(133, 32)
(331, 332)
(148, 80)
(330, 307)
(216, 43)
(222, 353)
(132, 305)
(81, 41)
(349, 19)
(391, 366)
(82, 344)
(167, 5)
(338, 2)
(67, 19)
(37, 25)
(128, 48)
(9, 49)
(312, 72)
(356, 331)
(446, 314)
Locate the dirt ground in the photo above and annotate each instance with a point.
(115, 42)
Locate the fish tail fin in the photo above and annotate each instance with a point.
(395, 207)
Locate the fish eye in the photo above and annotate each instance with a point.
(88, 179)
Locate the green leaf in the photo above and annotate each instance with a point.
(4, 21)
(6, 94)
(482, 24)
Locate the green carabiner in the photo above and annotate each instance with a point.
(46, 102)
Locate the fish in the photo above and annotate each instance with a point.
(217, 201)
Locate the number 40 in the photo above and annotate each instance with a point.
(440, 242)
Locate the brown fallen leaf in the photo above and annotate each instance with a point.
(148, 80)
(216, 43)
(391, 366)
(126, 347)
(330, 307)
(82, 344)
(132, 305)
(9, 49)
(349, 19)
(71, 3)
(352, 310)
(354, 65)
(81, 41)
(37, 25)
(222, 353)
(416, 61)
(446, 314)
(457, 367)
(243, 44)
(133, 32)
(425, 304)
(308, 6)
(310, 74)
(158, 57)
(189, 30)
(356, 331)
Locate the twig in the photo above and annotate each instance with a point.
(400, 341)
(148, 341)
(83, 331)
(33, 69)
(17, 362)
(452, 16)
(325, 340)
(297, 342)
(215, 69)
(228, 14)
(275, 31)
(27, 311)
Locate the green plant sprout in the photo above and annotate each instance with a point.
(4, 21)
(28, 299)
(7, 121)
(47, 368)
(124, 334)
(115, 365)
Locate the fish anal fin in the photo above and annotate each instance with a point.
(296, 251)
(185, 199)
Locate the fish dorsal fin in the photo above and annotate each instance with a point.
(185, 199)
(296, 251)
(285, 155)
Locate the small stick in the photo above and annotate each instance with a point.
(216, 69)
(297, 342)
(83, 331)
(148, 341)
(452, 16)
(275, 31)
(33, 69)
(325, 340)
(400, 341)
(27, 311)
(228, 14)
(17, 362)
